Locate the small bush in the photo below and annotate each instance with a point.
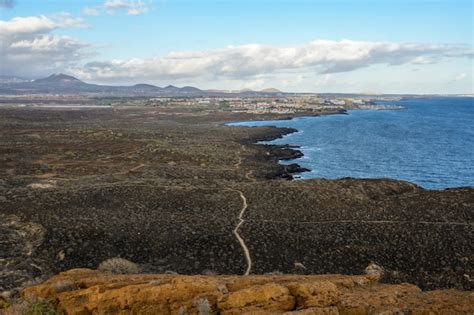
(208, 272)
(64, 286)
(33, 307)
(274, 273)
(119, 266)
(374, 270)
(170, 272)
(203, 307)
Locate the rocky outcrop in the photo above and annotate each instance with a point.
(93, 292)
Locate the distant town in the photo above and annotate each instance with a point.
(274, 105)
(63, 90)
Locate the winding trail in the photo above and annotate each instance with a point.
(236, 231)
(239, 162)
(249, 176)
(237, 165)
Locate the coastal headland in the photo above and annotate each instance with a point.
(171, 189)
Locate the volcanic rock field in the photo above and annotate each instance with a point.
(174, 190)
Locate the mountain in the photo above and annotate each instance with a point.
(64, 84)
(146, 88)
(271, 90)
(190, 90)
(171, 88)
(59, 79)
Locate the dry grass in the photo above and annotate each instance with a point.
(119, 266)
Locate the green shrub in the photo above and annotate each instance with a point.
(33, 307)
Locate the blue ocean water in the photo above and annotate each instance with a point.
(430, 142)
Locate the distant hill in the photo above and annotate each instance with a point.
(271, 90)
(59, 79)
(146, 88)
(65, 84)
(190, 89)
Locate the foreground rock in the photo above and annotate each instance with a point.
(86, 291)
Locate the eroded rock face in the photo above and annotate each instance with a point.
(315, 294)
(270, 297)
(94, 292)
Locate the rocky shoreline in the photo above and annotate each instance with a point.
(280, 153)
(286, 152)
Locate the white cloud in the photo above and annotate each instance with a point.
(29, 47)
(325, 80)
(117, 4)
(256, 83)
(119, 7)
(91, 11)
(460, 77)
(292, 81)
(249, 61)
(137, 11)
(422, 60)
(32, 25)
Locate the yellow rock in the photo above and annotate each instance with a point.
(268, 297)
(315, 311)
(315, 294)
(94, 292)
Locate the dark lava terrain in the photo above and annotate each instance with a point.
(165, 187)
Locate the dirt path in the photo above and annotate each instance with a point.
(248, 175)
(237, 235)
(239, 160)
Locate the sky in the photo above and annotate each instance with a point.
(383, 46)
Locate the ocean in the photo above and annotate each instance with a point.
(429, 143)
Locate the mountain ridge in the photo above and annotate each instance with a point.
(60, 83)
(60, 77)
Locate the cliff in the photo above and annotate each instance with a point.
(86, 291)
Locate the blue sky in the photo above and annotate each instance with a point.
(391, 46)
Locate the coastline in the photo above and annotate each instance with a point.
(301, 143)
(284, 152)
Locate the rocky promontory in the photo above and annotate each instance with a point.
(87, 291)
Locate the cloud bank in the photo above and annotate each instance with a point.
(248, 61)
(29, 47)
